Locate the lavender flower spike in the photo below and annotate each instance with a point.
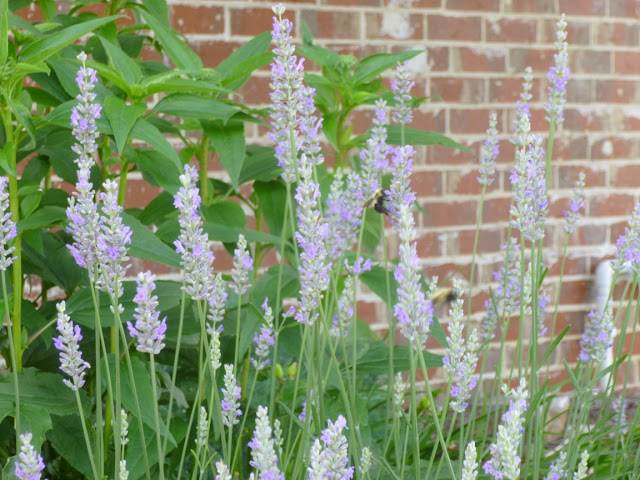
(217, 300)
(470, 465)
(558, 76)
(148, 328)
(577, 202)
(263, 452)
(7, 227)
(202, 430)
(343, 319)
(581, 473)
(344, 212)
(521, 125)
(112, 242)
(489, 152)
(71, 361)
(242, 265)
(505, 462)
(82, 212)
(265, 340)
(29, 464)
(558, 468)
(597, 336)
(231, 394)
(414, 310)
(401, 86)
(628, 245)
(465, 379)
(223, 471)
(329, 461)
(373, 158)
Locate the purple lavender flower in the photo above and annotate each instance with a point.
(505, 462)
(7, 227)
(344, 213)
(113, 239)
(489, 152)
(29, 465)
(82, 212)
(414, 310)
(543, 301)
(265, 340)
(581, 473)
(223, 471)
(214, 352)
(628, 245)
(365, 461)
(217, 300)
(401, 86)
(231, 394)
(242, 265)
(193, 243)
(342, 320)
(455, 341)
(399, 391)
(597, 336)
(558, 469)
(312, 231)
(202, 430)
(288, 95)
(329, 460)
(529, 191)
(577, 202)
(558, 76)
(71, 361)
(521, 125)
(148, 328)
(359, 266)
(263, 452)
(309, 126)
(373, 157)
(465, 380)
(470, 465)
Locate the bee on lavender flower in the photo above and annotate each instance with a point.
(378, 201)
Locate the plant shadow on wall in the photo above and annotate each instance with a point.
(223, 375)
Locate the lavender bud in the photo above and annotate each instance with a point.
(71, 361)
(231, 394)
(148, 328)
(558, 469)
(223, 471)
(577, 202)
(470, 464)
(265, 340)
(202, 430)
(521, 124)
(344, 213)
(581, 473)
(263, 453)
(465, 379)
(399, 390)
(7, 227)
(365, 461)
(29, 464)
(342, 321)
(401, 86)
(373, 157)
(597, 336)
(214, 353)
(558, 76)
(217, 300)
(489, 152)
(242, 265)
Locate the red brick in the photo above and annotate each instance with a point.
(212, 52)
(567, 175)
(611, 205)
(489, 241)
(590, 234)
(466, 183)
(583, 7)
(253, 21)
(256, 91)
(617, 33)
(332, 24)
(631, 119)
(468, 121)
(625, 176)
(577, 31)
(572, 266)
(434, 121)
(456, 89)
(439, 155)
(496, 210)
(444, 214)
(511, 30)
(438, 59)
(580, 90)
(427, 184)
(440, 27)
(428, 245)
(612, 147)
(585, 120)
(375, 26)
(627, 63)
(625, 9)
(538, 60)
(615, 91)
(197, 19)
(358, 51)
(531, 6)
(474, 5)
(479, 59)
(590, 61)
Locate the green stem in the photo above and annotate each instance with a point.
(203, 170)
(86, 437)
(14, 370)
(122, 186)
(156, 417)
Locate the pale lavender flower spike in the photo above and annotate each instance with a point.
(265, 340)
(558, 76)
(628, 245)
(597, 336)
(263, 452)
(329, 460)
(29, 464)
(223, 471)
(113, 239)
(470, 465)
(242, 265)
(521, 124)
(558, 469)
(7, 227)
(217, 299)
(192, 243)
(71, 361)
(401, 86)
(344, 212)
(577, 202)
(231, 394)
(373, 158)
(489, 153)
(84, 221)
(149, 329)
(342, 320)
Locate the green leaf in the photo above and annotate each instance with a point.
(413, 136)
(159, 9)
(121, 62)
(321, 56)
(45, 254)
(272, 197)
(149, 133)
(192, 106)
(376, 359)
(6, 162)
(108, 73)
(329, 128)
(374, 65)
(271, 282)
(144, 244)
(178, 51)
(156, 169)
(184, 85)
(4, 31)
(229, 142)
(67, 438)
(376, 280)
(258, 45)
(259, 164)
(35, 419)
(24, 118)
(122, 117)
(43, 217)
(45, 47)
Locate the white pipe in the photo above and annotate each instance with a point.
(602, 285)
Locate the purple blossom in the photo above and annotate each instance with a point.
(309, 126)
(230, 396)
(82, 212)
(465, 380)
(399, 391)
(344, 213)
(597, 336)
(217, 300)
(373, 157)
(414, 311)
(264, 340)
(628, 245)
(401, 86)
(558, 468)
(505, 462)
(359, 266)
(263, 452)
(242, 265)
(521, 124)
(192, 243)
(543, 301)
(342, 320)
(529, 206)
(577, 202)
(71, 361)
(558, 76)
(329, 460)
(489, 152)
(29, 465)
(7, 227)
(148, 328)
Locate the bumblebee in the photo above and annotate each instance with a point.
(446, 294)
(378, 202)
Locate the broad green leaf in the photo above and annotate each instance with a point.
(4, 31)
(121, 62)
(193, 106)
(122, 117)
(184, 85)
(43, 217)
(229, 142)
(149, 133)
(259, 164)
(373, 228)
(24, 69)
(178, 51)
(47, 256)
(159, 9)
(158, 209)
(24, 118)
(67, 438)
(376, 359)
(376, 280)
(156, 169)
(272, 197)
(321, 56)
(329, 128)
(254, 47)
(275, 284)
(108, 73)
(45, 47)
(6, 159)
(241, 73)
(144, 244)
(374, 65)
(35, 419)
(420, 137)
